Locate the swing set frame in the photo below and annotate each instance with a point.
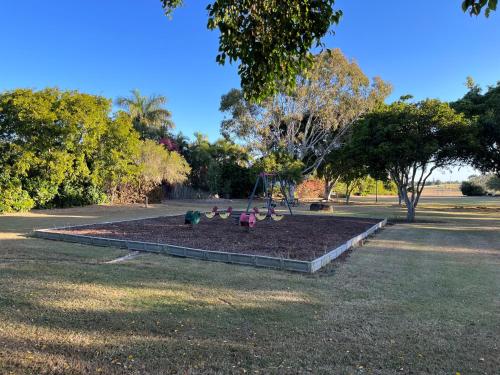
(269, 181)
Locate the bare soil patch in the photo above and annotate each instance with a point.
(302, 237)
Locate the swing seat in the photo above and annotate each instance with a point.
(277, 217)
(260, 216)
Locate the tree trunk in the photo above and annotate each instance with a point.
(327, 195)
(400, 198)
(410, 215)
(410, 207)
(113, 192)
(348, 192)
(291, 193)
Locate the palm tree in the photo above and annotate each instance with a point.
(148, 114)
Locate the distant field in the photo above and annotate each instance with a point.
(420, 298)
(446, 190)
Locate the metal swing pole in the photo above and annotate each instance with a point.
(266, 187)
(285, 196)
(270, 196)
(252, 196)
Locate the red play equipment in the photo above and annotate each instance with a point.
(247, 220)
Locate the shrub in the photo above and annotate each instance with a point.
(471, 189)
(13, 199)
(312, 188)
(72, 194)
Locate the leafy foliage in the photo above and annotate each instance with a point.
(47, 137)
(280, 162)
(270, 39)
(484, 109)
(62, 148)
(489, 183)
(148, 114)
(474, 7)
(471, 189)
(157, 164)
(221, 167)
(343, 164)
(407, 141)
(493, 183)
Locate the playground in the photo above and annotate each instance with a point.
(303, 237)
(261, 236)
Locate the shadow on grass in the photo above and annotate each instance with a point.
(128, 354)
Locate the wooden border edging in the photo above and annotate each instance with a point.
(322, 261)
(215, 256)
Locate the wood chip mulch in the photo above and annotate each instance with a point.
(302, 237)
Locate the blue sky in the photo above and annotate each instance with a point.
(110, 47)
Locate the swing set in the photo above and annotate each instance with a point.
(249, 218)
(269, 181)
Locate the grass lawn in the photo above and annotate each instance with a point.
(420, 298)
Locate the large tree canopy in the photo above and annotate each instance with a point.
(310, 120)
(484, 150)
(48, 138)
(408, 141)
(272, 39)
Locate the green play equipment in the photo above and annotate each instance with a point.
(192, 218)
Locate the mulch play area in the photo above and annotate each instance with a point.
(300, 237)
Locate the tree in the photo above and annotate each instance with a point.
(488, 183)
(272, 39)
(408, 141)
(232, 161)
(354, 179)
(484, 109)
(330, 171)
(310, 121)
(221, 167)
(148, 114)
(119, 149)
(199, 157)
(157, 165)
(288, 169)
(341, 165)
(48, 142)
